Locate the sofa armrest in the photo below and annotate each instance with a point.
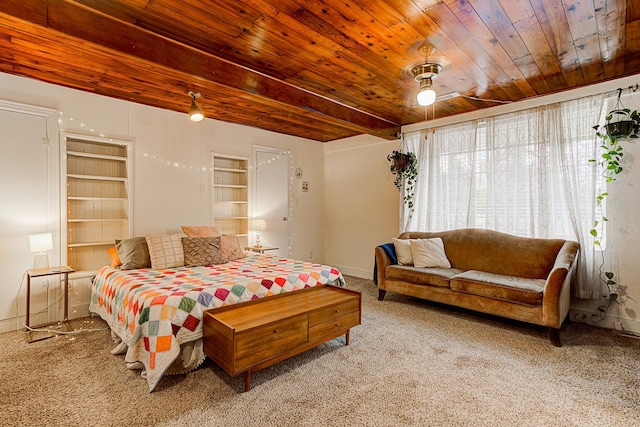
(556, 297)
(382, 262)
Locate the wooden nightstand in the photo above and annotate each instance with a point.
(41, 272)
(260, 249)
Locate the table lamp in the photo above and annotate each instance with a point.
(40, 244)
(258, 224)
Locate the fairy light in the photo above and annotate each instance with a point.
(147, 156)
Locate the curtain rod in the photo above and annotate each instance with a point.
(623, 90)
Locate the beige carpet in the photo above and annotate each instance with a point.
(409, 363)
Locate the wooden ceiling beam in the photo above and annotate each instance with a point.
(80, 22)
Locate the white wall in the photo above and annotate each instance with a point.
(171, 158)
(361, 207)
(361, 202)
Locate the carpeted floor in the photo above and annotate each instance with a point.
(410, 363)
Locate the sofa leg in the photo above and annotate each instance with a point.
(554, 336)
(381, 294)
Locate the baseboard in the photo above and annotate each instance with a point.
(13, 324)
(362, 274)
(608, 322)
(10, 325)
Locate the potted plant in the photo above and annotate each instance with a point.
(404, 167)
(620, 121)
(626, 126)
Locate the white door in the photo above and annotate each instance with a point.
(271, 197)
(24, 210)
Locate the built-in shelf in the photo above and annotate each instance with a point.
(96, 177)
(96, 219)
(229, 186)
(97, 198)
(231, 195)
(97, 208)
(88, 244)
(96, 156)
(234, 170)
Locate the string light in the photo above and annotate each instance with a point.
(205, 169)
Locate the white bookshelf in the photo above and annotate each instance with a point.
(97, 180)
(231, 195)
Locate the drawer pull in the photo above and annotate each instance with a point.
(337, 311)
(275, 331)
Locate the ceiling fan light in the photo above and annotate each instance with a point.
(426, 96)
(195, 113)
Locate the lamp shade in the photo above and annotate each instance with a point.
(258, 224)
(195, 113)
(41, 242)
(426, 97)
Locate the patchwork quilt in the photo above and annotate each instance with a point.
(155, 311)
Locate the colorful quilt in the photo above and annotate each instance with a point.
(155, 311)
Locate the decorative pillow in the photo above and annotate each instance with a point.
(165, 250)
(201, 230)
(231, 247)
(133, 253)
(202, 251)
(429, 253)
(114, 260)
(403, 251)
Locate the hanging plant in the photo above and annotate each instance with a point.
(621, 124)
(404, 167)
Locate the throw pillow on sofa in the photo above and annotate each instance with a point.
(429, 253)
(403, 251)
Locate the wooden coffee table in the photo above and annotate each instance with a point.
(252, 335)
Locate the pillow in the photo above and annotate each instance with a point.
(230, 247)
(133, 253)
(403, 251)
(165, 250)
(429, 253)
(202, 251)
(201, 230)
(114, 260)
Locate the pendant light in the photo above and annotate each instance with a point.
(195, 113)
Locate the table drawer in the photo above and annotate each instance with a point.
(334, 311)
(259, 344)
(334, 326)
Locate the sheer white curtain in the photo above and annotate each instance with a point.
(446, 176)
(524, 173)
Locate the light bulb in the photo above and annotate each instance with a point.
(195, 112)
(426, 97)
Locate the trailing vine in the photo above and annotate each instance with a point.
(610, 164)
(405, 168)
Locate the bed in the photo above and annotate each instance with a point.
(155, 315)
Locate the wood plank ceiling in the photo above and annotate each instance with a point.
(319, 69)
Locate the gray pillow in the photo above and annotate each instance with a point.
(134, 253)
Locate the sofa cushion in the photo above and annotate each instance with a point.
(498, 286)
(421, 276)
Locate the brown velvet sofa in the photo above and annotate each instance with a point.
(519, 278)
